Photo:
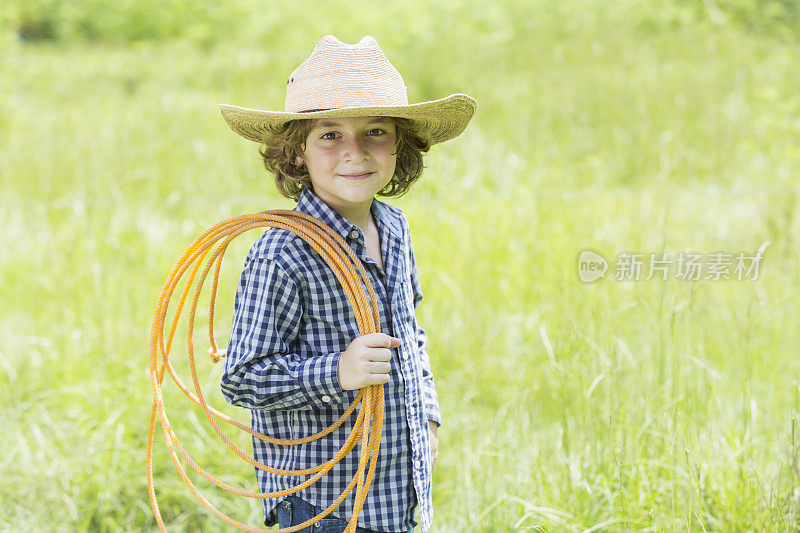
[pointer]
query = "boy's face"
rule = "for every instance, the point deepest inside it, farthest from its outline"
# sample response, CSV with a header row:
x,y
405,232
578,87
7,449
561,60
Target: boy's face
x,y
350,159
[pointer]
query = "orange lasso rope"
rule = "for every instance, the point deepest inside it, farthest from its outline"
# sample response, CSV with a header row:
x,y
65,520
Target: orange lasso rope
x,y
368,426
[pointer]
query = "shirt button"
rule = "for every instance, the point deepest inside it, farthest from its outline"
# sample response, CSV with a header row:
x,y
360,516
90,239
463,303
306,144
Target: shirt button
x,y
354,234
316,524
326,398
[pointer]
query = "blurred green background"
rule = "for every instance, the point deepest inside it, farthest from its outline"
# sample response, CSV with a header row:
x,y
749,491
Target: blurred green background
x,y
657,126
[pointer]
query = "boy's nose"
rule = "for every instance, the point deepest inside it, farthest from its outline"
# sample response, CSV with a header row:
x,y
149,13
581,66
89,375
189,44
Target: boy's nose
x,y
355,150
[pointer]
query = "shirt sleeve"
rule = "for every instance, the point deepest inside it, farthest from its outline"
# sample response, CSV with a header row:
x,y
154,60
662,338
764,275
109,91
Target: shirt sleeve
x,y
431,399
261,371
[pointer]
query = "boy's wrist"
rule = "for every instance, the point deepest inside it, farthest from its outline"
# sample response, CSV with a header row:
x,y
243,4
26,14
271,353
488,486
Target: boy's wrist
x,y
321,379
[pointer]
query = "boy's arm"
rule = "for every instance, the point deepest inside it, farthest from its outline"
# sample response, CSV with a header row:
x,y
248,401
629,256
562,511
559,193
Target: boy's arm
x,y
260,370
431,399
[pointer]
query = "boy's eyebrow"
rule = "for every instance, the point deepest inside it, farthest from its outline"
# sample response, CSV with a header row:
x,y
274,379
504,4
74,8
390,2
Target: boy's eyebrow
x,y
331,124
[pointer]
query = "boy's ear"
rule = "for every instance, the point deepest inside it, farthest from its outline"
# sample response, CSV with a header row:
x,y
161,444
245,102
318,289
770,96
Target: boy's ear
x,y
298,161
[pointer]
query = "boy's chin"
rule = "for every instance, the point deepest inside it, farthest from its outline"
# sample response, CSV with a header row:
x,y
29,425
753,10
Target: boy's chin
x,y
359,199
357,193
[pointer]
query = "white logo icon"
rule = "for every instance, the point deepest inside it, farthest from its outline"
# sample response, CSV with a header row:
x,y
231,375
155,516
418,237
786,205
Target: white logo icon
x,y
591,266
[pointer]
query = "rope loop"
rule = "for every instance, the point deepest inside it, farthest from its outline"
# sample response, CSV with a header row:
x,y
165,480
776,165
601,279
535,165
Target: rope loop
x,y
368,426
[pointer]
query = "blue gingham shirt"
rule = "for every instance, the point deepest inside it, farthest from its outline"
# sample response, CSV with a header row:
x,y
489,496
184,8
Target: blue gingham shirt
x,y
291,322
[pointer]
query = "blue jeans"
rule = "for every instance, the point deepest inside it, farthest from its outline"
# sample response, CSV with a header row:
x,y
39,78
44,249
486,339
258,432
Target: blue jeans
x,y
294,510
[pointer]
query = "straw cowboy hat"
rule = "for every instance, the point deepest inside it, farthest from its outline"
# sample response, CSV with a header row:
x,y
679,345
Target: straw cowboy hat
x,y
352,80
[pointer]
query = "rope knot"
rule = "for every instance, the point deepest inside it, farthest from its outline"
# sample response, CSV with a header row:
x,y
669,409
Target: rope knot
x,y
217,354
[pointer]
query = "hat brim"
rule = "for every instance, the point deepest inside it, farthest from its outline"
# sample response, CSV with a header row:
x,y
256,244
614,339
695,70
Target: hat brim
x,y
441,119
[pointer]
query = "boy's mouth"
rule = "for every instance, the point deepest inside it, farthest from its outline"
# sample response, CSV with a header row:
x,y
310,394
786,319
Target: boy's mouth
x,y
357,176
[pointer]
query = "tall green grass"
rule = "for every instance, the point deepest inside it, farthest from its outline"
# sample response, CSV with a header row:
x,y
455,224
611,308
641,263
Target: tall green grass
x,y
618,406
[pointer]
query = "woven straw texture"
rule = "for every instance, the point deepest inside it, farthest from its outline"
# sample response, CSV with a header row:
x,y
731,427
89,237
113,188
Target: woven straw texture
x,y
352,80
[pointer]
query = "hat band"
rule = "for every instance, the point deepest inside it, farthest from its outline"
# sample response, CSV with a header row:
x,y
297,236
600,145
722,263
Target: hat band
x,y
315,110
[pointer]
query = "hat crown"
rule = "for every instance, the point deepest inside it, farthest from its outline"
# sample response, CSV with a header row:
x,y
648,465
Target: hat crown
x,y
338,75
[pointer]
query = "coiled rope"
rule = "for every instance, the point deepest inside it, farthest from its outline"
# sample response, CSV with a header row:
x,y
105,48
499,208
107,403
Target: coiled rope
x,y
368,426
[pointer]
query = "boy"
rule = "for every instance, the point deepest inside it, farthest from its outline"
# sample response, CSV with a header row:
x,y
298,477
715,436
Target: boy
x,y
295,356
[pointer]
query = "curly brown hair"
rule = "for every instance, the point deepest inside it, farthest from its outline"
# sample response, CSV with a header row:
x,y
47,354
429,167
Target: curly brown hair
x,y
285,142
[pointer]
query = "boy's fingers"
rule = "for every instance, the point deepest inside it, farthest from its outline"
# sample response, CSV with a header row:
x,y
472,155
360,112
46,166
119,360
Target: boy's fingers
x,y
378,367
381,340
380,354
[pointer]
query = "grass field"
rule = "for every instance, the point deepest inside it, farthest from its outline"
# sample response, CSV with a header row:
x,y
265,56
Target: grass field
x,y
627,127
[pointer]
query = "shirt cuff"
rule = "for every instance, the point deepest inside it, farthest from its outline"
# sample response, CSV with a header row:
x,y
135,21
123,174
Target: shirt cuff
x,y
431,402
320,380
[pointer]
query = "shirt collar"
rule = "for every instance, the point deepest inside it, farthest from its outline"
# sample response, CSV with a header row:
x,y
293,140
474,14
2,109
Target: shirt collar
x,y
313,205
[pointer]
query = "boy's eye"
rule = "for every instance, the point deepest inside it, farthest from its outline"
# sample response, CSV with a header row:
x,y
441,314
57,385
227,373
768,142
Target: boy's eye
x,y
331,135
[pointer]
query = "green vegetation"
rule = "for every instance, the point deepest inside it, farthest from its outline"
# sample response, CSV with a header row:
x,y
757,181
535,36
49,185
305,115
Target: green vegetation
x,y
616,126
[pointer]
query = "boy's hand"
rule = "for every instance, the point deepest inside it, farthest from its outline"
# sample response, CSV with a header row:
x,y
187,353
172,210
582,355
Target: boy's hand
x,y
366,361
433,427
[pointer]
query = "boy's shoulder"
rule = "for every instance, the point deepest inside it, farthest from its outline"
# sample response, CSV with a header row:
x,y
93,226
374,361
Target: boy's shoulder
x,y
273,244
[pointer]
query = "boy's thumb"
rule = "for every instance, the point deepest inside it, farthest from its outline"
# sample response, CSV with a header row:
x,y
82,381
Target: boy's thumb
x,y
395,342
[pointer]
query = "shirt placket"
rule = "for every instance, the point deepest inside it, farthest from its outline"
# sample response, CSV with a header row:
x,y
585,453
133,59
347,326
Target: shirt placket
x,y
412,391
402,300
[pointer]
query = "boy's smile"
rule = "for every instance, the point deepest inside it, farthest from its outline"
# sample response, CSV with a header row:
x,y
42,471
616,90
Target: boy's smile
x,y
349,160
